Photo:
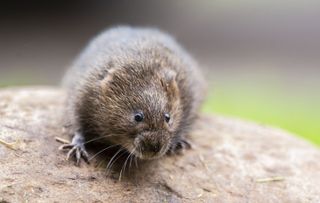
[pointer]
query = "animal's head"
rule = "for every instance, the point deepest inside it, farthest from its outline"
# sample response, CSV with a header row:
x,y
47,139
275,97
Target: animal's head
x,y
138,108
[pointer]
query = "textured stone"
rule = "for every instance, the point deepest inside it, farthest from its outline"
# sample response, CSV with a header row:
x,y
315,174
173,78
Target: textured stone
x,y
231,161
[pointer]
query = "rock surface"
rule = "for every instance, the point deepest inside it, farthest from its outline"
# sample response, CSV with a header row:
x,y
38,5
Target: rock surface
x,y
231,161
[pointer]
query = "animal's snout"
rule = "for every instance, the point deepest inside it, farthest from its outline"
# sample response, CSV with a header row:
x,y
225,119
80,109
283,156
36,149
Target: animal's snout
x,y
151,147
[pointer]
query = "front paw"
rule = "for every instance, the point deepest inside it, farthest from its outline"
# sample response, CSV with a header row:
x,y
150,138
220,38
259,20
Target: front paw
x,y
76,149
179,146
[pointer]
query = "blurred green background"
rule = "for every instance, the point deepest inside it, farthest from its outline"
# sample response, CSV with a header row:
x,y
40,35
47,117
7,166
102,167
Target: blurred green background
x,y
261,58
271,105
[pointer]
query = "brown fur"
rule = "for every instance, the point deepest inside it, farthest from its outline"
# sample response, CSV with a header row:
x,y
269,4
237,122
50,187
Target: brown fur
x,y
127,70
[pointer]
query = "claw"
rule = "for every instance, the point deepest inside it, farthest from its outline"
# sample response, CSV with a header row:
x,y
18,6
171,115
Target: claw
x,y
85,156
76,149
66,146
71,152
179,146
183,144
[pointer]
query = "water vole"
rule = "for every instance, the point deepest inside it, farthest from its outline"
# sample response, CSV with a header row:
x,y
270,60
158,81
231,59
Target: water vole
x,y
133,87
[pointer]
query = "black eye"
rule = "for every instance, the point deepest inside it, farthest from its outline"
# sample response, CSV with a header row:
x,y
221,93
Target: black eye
x,y
138,117
167,117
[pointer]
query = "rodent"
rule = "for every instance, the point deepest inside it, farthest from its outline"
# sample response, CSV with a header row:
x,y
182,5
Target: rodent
x,y
133,87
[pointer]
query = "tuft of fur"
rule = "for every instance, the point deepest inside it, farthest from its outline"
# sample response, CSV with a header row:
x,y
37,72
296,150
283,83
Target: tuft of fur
x,y
127,70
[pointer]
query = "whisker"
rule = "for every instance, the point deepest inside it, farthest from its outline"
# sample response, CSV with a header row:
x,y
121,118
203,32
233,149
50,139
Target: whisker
x,y
110,161
136,162
130,162
115,160
132,156
94,139
124,165
100,163
102,151
114,157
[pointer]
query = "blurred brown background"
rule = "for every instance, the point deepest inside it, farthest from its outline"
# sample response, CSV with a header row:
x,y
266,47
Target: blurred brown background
x,y
40,38
261,57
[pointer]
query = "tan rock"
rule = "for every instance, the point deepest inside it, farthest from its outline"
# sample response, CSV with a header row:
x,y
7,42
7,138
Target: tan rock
x,y
231,161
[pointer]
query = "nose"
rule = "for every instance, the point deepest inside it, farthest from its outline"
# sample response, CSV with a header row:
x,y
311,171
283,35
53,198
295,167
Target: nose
x,y
151,147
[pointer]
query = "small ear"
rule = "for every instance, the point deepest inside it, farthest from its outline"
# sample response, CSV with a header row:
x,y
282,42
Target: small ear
x,y
168,81
167,77
105,80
